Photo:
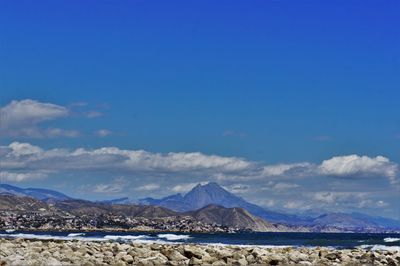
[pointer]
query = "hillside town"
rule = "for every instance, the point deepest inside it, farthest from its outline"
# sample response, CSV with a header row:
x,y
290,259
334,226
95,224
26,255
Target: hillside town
x,y
48,221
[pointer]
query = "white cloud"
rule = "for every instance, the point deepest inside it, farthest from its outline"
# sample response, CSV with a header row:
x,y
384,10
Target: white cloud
x,y
281,186
336,197
116,186
266,202
348,166
359,166
103,133
107,188
116,160
182,188
18,149
19,177
295,169
381,203
58,132
22,119
297,205
26,157
148,187
238,188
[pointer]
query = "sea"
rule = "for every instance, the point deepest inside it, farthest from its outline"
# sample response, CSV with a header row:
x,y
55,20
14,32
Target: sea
x,y
331,240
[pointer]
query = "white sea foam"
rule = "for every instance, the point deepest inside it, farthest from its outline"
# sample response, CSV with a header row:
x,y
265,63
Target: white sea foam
x,y
142,239
381,247
76,234
172,237
124,237
50,237
10,230
391,239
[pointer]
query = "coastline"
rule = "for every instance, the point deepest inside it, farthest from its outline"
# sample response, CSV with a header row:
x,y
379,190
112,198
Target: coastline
x,y
154,230
71,252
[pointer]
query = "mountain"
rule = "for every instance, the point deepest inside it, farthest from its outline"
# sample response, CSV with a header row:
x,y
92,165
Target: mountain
x,y
9,202
232,217
174,202
84,207
211,214
385,222
354,222
340,221
196,202
37,193
124,200
212,193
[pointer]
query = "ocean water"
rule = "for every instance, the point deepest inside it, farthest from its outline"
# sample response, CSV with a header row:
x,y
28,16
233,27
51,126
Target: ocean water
x,y
334,240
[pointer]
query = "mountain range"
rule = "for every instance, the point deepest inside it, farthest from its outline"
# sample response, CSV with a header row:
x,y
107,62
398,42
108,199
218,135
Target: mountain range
x,y
237,218
211,202
212,193
37,193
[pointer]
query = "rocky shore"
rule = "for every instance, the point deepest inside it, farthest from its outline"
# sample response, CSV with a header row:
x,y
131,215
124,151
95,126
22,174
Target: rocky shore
x,y
34,252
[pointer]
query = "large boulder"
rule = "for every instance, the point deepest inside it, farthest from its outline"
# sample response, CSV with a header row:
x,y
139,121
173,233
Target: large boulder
x,y
296,256
173,255
193,251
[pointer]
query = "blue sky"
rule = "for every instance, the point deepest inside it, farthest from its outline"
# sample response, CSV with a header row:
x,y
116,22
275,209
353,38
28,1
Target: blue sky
x,y
269,82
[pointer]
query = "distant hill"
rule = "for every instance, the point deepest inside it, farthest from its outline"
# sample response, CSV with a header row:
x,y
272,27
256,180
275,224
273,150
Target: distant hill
x,y
212,214
83,207
381,221
124,200
197,202
353,222
37,193
213,194
232,217
10,202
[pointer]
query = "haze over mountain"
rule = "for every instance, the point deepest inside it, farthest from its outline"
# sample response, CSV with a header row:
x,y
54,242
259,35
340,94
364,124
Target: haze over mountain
x,y
37,193
212,193
212,214
208,203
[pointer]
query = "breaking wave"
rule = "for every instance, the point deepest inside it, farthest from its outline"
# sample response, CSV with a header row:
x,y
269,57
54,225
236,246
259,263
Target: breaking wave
x,y
76,234
124,237
391,239
51,237
172,237
381,247
160,239
378,242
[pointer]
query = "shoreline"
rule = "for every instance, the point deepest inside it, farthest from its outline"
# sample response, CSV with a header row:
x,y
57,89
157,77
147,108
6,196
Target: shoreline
x,y
152,231
66,252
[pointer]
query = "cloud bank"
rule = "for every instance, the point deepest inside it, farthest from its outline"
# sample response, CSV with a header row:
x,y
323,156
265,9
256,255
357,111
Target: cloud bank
x,y
17,158
22,119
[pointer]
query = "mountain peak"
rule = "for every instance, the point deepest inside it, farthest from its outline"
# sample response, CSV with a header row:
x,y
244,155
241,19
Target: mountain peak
x,y
212,184
210,193
207,186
